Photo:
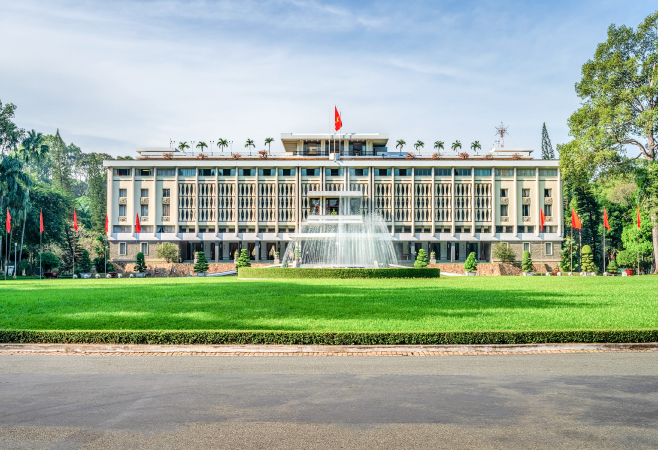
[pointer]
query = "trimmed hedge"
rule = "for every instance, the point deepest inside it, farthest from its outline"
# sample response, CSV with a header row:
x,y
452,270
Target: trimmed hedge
x,y
328,338
284,272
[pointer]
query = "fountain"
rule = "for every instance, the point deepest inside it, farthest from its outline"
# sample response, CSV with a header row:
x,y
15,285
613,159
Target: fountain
x,y
338,234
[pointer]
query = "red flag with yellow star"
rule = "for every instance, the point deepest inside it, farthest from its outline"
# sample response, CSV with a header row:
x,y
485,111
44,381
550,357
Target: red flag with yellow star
x,y
338,122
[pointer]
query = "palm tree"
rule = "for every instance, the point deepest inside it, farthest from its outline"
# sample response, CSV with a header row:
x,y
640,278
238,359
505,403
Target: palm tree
x,y
201,145
438,145
182,146
455,145
250,143
419,144
268,142
401,144
34,149
475,146
14,184
222,144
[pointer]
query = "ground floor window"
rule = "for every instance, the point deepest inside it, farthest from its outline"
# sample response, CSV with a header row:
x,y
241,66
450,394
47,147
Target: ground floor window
x,y
145,248
549,248
122,248
526,246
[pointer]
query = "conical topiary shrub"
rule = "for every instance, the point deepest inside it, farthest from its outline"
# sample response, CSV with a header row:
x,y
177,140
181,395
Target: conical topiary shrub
x,y
243,259
612,266
587,264
526,263
471,264
141,264
422,259
201,265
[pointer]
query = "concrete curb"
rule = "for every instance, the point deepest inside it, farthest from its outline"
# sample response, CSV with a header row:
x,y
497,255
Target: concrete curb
x,y
318,350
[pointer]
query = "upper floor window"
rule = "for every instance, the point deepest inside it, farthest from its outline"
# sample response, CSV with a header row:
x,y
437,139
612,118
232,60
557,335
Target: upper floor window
x,y
166,193
526,210
359,172
206,172
123,193
503,210
443,172
145,210
548,210
227,172
121,228
483,172
144,192
333,172
266,172
504,172
423,172
122,172
463,172
548,192
525,192
166,172
122,210
286,172
246,172
310,172
503,193
402,172
525,172
186,172
145,172
383,172
548,172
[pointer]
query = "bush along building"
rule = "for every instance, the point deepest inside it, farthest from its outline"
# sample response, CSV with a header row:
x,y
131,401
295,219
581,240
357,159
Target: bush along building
x,y
221,202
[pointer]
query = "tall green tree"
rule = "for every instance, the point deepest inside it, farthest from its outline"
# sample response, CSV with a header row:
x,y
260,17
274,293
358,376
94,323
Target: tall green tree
x,y
61,165
546,146
619,93
98,191
10,134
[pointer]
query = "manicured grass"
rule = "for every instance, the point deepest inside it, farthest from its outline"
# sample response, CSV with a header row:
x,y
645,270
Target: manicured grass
x,y
431,305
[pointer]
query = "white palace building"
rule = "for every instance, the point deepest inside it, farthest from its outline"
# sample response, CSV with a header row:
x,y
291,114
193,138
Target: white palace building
x,y
220,203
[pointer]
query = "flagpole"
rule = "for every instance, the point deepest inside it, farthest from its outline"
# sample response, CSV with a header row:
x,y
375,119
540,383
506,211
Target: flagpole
x,y
40,252
571,251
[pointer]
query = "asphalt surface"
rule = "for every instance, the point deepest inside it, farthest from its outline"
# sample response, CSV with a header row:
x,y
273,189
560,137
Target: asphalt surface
x,y
545,401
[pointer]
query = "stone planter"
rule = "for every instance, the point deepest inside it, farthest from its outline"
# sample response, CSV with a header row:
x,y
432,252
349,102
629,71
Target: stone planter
x,y
276,260
201,274
85,275
471,274
140,275
528,274
433,258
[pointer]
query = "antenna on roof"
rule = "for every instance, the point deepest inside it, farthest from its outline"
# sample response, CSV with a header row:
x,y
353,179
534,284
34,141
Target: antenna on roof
x,y
502,131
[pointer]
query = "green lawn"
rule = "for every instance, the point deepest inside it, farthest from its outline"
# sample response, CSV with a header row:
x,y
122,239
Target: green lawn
x,y
446,304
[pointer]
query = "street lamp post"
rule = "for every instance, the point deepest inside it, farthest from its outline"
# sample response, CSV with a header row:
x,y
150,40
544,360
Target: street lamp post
x,y
15,258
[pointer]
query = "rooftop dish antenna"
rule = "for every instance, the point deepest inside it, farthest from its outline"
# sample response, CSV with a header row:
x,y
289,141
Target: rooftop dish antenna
x,y
502,131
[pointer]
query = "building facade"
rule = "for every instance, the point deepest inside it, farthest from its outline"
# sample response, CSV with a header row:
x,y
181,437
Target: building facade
x,y
220,203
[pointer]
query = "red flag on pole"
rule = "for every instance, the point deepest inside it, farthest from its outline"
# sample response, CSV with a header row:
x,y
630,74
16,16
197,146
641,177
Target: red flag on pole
x,y
543,219
75,220
575,221
339,123
8,224
606,224
106,224
41,221
138,227
638,216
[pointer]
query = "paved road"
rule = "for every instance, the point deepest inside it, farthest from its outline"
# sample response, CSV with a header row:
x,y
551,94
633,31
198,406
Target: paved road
x,y
570,401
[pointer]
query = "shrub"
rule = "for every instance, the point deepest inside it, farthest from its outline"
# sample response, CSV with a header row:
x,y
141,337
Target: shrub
x,y
49,261
436,155
243,259
464,155
588,260
410,156
505,253
99,263
201,264
526,263
612,266
84,265
168,251
141,264
282,272
25,266
471,264
422,260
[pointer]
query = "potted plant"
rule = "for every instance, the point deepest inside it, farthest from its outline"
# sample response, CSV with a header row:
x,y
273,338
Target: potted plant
x,y
201,156
516,156
612,268
471,265
432,258
436,155
168,156
140,266
421,259
262,154
236,156
201,265
464,155
630,272
587,266
410,156
526,265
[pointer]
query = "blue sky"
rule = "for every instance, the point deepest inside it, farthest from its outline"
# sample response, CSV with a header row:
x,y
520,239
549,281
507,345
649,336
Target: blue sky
x,y
115,75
